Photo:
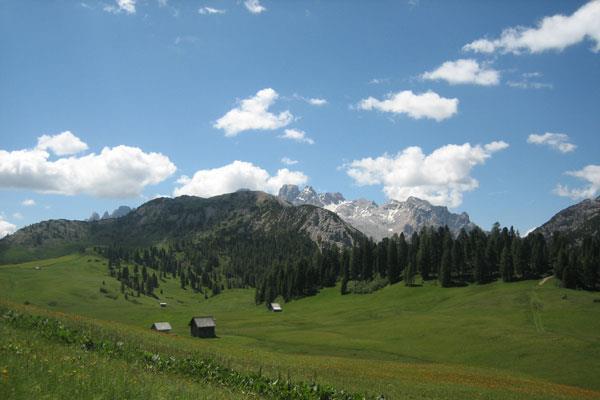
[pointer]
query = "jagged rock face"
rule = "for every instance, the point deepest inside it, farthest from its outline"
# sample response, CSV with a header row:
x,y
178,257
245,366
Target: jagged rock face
x,y
575,221
292,194
118,213
376,221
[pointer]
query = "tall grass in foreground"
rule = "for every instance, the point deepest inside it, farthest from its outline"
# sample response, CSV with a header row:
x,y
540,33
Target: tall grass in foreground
x,y
98,346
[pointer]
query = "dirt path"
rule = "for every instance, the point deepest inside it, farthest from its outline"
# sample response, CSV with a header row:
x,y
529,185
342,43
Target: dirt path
x,y
545,279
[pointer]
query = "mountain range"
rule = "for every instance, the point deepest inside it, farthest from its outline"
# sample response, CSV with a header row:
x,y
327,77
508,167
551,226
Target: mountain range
x,y
379,221
234,218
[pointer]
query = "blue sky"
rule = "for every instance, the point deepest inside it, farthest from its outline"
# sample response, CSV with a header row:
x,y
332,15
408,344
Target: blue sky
x,y
486,107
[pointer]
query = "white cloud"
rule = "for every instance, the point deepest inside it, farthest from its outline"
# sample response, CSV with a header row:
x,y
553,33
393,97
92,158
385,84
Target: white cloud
x,y
6,228
17,215
552,33
313,101
254,6
116,172
417,106
126,6
440,177
297,135
317,102
464,71
529,85
28,203
163,3
557,141
235,176
63,144
591,174
253,113
211,11
289,161
378,81
526,82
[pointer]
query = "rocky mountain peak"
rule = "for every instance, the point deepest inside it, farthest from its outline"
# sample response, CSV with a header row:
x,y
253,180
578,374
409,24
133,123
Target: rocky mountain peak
x,y
577,220
289,192
393,217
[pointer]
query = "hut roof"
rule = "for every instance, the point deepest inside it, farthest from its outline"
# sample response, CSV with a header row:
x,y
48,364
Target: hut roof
x,y
276,307
203,322
161,326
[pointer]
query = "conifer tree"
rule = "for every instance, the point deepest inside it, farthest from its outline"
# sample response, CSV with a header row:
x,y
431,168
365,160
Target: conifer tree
x,y
445,275
409,274
506,263
392,261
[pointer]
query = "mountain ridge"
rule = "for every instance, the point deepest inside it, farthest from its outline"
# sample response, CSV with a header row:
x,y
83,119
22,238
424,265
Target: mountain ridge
x,y
574,221
227,217
379,221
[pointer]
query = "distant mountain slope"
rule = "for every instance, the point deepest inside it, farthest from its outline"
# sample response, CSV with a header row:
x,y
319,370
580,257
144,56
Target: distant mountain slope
x,y
229,217
380,221
575,221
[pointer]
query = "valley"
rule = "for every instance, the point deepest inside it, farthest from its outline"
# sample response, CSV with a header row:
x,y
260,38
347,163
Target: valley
x,y
498,341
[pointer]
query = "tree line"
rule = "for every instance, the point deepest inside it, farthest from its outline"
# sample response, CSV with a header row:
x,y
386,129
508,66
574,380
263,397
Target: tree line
x,y
292,266
435,254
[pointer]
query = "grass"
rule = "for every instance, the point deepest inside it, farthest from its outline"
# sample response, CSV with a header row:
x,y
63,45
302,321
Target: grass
x,y
33,367
497,341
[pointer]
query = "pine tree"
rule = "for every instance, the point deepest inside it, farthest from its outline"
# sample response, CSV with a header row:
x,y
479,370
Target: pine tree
x,y
409,274
517,257
392,261
445,275
424,255
506,264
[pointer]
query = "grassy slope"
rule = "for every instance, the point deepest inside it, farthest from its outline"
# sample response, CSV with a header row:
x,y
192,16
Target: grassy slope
x,y
32,367
500,341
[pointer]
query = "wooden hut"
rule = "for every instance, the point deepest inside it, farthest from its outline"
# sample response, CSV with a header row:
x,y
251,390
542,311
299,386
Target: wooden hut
x,y
162,304
275,307
203,327
161,327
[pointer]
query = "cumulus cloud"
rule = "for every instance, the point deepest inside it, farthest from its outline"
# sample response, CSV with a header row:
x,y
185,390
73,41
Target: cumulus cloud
x,y
235,176
296,135
556,141
126,6
464,71
254,6
63,144
317,102
417,106
116,172
289,161
28,202
6,228
591,174
440,177
17,215
211,11
551,33
253,114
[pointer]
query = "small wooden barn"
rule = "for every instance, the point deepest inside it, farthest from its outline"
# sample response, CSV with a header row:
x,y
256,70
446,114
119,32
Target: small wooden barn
x,y
161,327
162,304
203,327
275,307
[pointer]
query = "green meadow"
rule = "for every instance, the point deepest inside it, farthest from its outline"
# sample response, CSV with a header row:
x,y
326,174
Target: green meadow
x,y
498,341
